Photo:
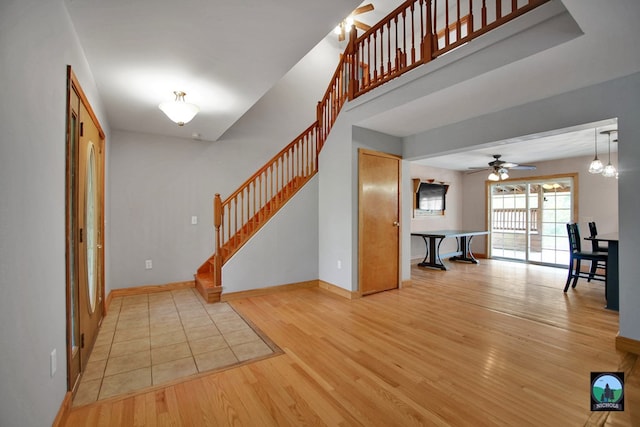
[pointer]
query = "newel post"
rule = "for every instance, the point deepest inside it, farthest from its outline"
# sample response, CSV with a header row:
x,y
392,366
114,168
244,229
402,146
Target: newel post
x,y
217,222
429,38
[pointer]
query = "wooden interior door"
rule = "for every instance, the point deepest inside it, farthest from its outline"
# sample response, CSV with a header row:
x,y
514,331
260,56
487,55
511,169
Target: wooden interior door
x,y
379,221
85,230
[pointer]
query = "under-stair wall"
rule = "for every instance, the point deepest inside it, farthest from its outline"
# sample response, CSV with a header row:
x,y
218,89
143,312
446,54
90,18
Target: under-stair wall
x,y
285,251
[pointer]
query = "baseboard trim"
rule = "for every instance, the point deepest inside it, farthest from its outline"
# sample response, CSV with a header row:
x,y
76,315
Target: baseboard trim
x,y
627,344
268,290
65,407
344,293
406,284
149,289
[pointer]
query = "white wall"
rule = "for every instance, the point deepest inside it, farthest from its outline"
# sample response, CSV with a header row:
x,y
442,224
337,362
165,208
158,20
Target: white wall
x,y
284,251
37,42
159,183
335,200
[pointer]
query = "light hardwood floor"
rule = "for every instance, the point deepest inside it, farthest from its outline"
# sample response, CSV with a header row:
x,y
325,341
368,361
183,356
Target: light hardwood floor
x,y
496,344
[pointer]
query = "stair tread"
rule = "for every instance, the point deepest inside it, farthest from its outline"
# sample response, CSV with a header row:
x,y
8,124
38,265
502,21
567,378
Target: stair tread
x,y
205,279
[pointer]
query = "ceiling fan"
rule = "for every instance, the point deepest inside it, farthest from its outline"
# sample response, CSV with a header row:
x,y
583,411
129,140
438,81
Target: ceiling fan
x,y
499,168
345,26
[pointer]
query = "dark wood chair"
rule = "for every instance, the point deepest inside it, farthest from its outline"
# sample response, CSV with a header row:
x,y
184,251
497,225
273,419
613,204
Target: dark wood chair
x,y
576,255
596,247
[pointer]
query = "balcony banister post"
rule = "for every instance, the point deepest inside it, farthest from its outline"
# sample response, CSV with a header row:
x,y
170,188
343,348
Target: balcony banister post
x,y
351,58
319,114
429,38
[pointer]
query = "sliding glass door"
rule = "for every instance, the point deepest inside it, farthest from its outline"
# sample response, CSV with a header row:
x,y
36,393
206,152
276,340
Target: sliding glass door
x,y
528,219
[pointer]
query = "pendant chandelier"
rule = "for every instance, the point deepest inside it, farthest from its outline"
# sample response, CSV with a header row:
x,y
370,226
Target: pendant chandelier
x,y
609,171
596,165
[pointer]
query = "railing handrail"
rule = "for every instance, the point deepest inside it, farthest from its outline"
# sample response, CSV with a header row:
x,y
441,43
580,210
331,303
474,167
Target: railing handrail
x,y
266,166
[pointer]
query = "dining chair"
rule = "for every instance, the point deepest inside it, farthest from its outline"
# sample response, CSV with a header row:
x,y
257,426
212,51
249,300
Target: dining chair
x,y
576,255
596,247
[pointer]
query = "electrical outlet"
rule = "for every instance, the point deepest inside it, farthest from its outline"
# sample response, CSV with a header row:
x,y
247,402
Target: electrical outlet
x,y
148,264
339,264
53,360
194,220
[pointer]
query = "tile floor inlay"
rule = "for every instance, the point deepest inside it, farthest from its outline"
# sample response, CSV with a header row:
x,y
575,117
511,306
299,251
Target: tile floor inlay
x,y
151,339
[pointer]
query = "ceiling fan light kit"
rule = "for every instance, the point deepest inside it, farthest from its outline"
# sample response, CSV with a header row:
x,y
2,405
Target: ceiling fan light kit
x,y
178,110
344,27
499,169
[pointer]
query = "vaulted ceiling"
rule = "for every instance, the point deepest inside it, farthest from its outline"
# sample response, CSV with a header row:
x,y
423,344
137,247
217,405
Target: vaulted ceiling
x,y
224,54
227,54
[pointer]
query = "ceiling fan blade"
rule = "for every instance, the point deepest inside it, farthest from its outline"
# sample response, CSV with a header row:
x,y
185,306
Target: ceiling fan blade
x,y
508,165
523,167
361,25
362,9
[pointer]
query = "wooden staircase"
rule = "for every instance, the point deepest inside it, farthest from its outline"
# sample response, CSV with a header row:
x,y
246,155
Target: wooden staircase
x,y
249,208
205,277
411,35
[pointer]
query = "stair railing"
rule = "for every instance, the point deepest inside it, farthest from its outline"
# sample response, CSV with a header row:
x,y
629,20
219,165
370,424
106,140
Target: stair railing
x,y
238,217
413,34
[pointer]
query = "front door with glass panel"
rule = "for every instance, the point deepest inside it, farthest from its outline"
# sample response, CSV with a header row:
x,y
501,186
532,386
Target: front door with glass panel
x,y
89,246
85,219
528,219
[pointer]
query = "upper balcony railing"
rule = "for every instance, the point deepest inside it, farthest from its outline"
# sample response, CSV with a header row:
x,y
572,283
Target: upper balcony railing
x,y
413,34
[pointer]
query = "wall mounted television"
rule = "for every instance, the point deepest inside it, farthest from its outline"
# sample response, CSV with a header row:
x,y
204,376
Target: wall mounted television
x,y
431,197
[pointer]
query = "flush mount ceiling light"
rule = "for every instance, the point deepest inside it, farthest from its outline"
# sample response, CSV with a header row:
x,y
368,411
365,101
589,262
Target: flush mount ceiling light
x,y
596,165
178,110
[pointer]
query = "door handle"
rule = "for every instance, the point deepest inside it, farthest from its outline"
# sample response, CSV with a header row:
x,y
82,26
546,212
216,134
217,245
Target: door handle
x,y
396,224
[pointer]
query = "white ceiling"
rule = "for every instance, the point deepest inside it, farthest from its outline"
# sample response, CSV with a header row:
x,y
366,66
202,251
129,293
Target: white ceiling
x,y
560,144
227,54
